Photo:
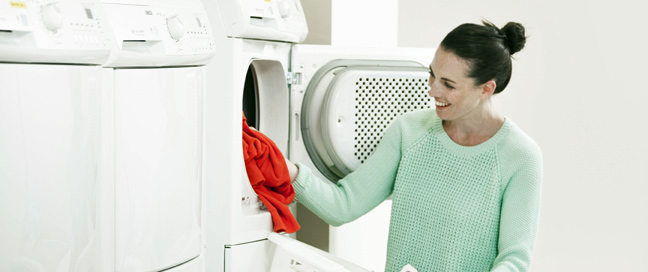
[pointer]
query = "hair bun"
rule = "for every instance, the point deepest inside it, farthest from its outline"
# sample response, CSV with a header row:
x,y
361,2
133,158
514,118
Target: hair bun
x,y
514,33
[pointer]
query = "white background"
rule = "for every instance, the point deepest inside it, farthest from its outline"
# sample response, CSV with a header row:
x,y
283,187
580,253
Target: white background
x,y
579,88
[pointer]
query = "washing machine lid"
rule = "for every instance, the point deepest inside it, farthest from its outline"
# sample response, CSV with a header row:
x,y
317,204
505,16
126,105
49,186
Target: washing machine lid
x,y
73,32
154,33
274,20
349,104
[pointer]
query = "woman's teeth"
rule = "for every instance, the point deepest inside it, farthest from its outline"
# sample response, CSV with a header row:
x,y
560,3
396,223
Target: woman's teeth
x,y
441,104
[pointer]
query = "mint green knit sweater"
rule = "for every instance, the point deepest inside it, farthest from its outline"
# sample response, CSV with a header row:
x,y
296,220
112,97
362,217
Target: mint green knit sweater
x,y
455,208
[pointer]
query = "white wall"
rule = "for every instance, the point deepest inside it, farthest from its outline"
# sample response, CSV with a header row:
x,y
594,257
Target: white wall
x,y
580,89
370,23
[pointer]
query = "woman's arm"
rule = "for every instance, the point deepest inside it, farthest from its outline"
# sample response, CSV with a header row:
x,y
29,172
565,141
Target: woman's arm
x,y
357,193
519,216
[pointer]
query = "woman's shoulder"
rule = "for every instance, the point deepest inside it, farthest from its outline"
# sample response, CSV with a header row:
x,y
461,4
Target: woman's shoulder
x,y
419,119
520,159
414,125
519,146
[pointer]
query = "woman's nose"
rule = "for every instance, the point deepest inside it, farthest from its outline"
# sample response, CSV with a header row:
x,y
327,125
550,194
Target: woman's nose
x,y
432,89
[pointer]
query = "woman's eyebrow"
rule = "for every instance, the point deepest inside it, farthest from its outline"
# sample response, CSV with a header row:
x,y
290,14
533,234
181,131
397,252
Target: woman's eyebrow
x,y
449,80
443,78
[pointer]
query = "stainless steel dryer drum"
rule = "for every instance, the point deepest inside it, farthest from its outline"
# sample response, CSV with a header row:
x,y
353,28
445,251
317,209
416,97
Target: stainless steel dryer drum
x,y
350,103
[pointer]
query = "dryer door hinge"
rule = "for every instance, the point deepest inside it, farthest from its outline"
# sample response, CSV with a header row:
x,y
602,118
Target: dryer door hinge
x,y
293,78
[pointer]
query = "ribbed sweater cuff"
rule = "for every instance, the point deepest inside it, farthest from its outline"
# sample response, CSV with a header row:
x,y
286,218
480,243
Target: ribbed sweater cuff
x,y
300,184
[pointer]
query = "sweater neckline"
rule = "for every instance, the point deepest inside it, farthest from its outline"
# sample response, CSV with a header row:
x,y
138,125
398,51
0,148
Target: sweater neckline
x,y
462,150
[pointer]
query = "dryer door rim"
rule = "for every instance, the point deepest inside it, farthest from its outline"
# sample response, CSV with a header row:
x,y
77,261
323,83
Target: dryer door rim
x,y
332,91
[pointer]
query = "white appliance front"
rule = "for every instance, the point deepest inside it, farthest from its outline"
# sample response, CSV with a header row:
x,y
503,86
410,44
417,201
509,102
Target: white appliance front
x,y
245,71
254,75
158,151
157,83
49,139
48,167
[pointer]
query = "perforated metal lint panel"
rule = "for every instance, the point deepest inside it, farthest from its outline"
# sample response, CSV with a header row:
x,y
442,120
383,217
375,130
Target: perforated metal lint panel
x,y
352,108
378,101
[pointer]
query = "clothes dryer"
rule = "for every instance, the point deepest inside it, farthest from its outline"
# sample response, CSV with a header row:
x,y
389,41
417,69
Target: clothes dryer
x,y
262,71
248,74
50,78
152,198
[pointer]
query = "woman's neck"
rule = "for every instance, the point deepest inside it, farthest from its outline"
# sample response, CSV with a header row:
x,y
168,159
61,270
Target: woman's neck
x,y
474,129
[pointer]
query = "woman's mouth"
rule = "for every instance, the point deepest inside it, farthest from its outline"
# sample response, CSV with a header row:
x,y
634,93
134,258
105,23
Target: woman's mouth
x,y
441,105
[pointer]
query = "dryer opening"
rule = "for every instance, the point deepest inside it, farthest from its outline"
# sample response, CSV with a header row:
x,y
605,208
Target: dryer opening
x,y
265,105
251,99
265,100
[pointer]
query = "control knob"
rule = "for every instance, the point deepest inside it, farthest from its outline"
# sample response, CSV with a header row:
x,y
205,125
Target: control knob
x,y
284,8
176,28
52,16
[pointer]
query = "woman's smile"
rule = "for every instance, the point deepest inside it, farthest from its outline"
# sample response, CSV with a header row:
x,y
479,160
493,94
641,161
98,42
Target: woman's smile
x,y
441,105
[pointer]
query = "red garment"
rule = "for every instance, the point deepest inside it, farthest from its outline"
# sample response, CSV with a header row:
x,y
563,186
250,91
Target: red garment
x,y
269,177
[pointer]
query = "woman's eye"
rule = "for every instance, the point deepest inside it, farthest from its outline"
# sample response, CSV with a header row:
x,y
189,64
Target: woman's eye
x,y
449,86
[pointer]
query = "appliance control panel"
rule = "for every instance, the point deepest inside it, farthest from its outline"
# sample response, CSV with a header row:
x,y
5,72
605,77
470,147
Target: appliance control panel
x,y
277,20
154,33
61,31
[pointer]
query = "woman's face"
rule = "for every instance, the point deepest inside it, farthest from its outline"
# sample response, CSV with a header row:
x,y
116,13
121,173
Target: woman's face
x,y
455,94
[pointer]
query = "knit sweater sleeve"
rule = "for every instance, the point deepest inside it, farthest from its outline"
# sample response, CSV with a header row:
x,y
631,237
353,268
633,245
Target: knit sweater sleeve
x,y
357,193
520,208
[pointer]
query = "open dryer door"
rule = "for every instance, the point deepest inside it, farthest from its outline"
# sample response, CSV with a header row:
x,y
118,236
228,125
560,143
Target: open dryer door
x,y
347,105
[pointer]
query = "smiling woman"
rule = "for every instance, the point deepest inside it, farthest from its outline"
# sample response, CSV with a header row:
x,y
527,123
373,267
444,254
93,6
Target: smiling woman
x,y
473,63
465,180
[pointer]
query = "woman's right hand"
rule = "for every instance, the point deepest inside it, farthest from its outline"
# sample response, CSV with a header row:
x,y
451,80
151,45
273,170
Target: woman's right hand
x,y
293,170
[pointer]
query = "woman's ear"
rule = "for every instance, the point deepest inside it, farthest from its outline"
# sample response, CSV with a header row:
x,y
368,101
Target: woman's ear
x,y
488,89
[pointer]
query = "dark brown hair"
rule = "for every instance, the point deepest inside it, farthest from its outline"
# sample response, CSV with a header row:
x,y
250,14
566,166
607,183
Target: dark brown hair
x,y
487,49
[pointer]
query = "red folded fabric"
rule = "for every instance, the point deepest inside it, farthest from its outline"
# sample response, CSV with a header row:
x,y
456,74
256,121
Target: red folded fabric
x,y
269,177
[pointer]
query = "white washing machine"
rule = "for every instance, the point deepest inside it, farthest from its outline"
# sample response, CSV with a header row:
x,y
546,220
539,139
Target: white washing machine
x,y
261,71
152,195
50,78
